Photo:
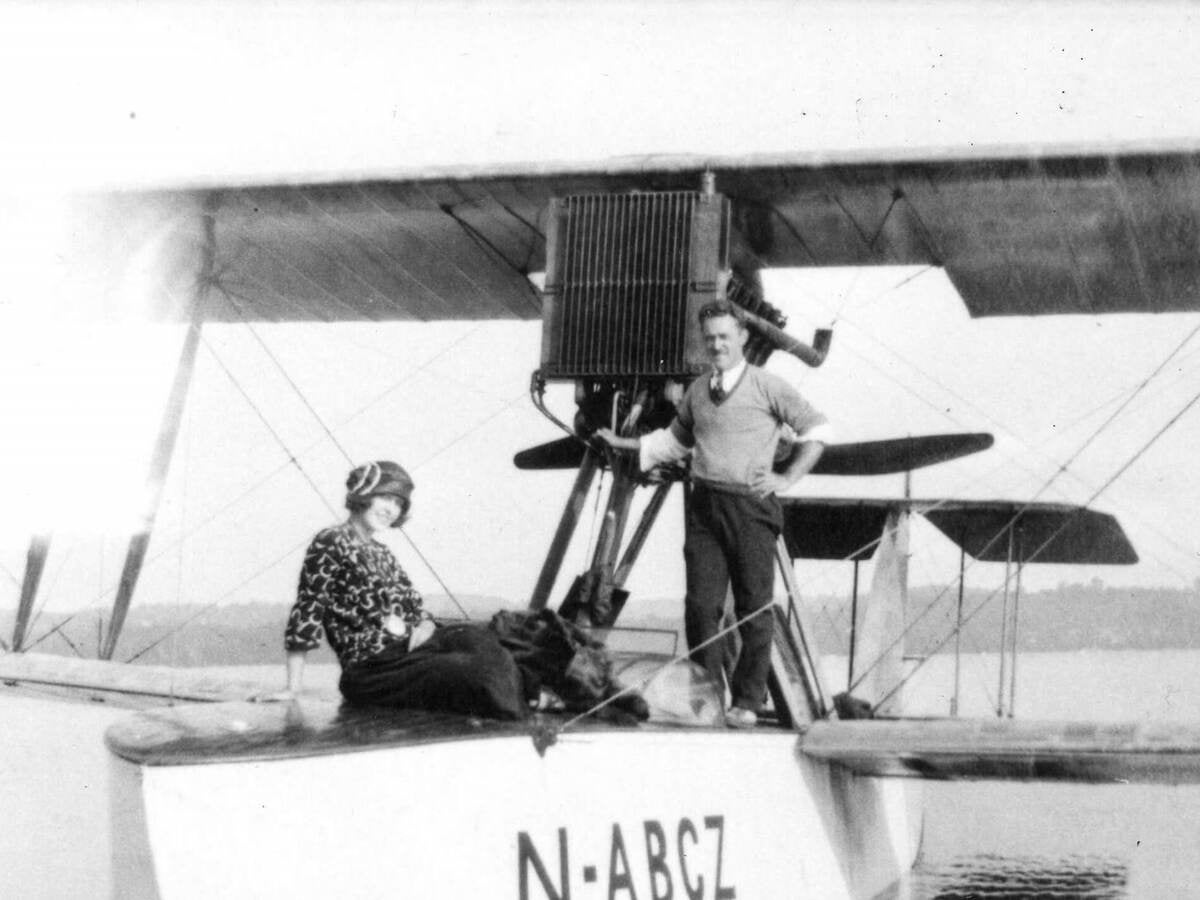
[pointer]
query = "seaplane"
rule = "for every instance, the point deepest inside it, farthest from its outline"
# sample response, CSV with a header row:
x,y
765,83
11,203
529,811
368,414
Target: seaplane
x,y
214,793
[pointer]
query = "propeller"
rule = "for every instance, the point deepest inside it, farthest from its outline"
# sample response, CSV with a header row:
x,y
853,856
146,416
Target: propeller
x,y
862,458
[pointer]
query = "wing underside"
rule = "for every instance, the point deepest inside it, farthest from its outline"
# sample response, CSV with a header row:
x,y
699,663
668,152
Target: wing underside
x,y
1026,235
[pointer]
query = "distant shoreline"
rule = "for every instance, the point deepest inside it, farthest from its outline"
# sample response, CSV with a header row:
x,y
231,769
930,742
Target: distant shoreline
x,y
1071,617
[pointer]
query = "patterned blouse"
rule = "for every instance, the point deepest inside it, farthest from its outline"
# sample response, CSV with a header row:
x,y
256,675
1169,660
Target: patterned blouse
x,y
349,586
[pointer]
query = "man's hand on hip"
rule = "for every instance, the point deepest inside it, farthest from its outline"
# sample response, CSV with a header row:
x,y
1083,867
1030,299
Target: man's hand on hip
x,y
764,484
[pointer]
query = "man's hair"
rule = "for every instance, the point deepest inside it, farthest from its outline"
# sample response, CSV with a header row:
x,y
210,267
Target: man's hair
x,y
714,309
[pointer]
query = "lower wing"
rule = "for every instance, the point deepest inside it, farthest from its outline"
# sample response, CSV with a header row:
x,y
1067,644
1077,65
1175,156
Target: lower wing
x,y
1006,749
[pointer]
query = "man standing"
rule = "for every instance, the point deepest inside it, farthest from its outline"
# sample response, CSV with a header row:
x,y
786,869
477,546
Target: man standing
x,y
731,421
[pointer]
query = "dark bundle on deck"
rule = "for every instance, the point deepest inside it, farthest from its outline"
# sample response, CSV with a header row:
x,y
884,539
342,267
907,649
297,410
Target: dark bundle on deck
x,y
560,656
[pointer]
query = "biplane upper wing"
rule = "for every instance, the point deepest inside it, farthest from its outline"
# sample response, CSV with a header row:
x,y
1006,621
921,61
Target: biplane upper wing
x,y
1037,233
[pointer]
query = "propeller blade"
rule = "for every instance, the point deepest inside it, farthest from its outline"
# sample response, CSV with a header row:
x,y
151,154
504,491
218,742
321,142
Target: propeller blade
x,y
897,454
863,458
564,453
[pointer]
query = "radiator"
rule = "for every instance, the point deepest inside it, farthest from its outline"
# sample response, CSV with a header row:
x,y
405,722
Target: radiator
x,y
625,276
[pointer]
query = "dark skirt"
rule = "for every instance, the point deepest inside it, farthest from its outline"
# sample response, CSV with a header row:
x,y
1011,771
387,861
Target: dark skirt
x,y
461,668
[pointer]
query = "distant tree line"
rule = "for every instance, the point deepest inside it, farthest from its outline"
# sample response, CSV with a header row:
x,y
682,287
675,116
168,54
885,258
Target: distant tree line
x,y
1069,617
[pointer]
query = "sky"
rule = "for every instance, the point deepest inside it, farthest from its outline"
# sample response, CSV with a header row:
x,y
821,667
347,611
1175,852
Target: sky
x,y
450,402
256,92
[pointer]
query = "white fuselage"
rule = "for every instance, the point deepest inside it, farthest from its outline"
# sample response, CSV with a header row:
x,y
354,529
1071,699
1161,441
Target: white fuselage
x,y
647,813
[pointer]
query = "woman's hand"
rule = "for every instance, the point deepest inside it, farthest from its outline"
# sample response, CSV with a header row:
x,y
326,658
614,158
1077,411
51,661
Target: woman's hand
x,y
421,632
284,696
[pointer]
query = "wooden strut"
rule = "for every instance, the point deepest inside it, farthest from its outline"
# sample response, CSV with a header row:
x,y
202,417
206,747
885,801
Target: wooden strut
x,y
566,529
797,642
159,465
649,517
1004,626
35,564
599,590
1012,672
164,447
853,628
962,571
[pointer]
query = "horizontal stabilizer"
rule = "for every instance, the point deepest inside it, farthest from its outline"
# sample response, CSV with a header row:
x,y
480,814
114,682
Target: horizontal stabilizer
x,y
1006,749
833,528
1042,532
848,528
862,458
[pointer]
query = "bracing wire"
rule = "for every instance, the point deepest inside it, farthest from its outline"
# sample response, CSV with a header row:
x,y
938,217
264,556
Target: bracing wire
x,y
263,418
212,605
1107,484
721,634
724,632
1064,467
300,395
333,439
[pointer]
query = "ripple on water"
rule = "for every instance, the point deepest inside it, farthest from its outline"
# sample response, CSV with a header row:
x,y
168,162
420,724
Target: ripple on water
x,y
992,875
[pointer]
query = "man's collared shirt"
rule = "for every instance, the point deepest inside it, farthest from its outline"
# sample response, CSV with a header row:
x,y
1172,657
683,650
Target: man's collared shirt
x,y
727,379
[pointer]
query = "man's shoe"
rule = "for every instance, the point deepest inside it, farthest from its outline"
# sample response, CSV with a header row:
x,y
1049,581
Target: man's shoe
x,y
741,718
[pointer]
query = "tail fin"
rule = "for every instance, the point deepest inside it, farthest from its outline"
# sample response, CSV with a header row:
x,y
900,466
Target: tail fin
x,y
879,657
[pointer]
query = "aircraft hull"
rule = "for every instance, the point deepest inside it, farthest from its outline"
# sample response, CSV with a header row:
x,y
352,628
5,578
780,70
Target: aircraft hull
x,y
456,809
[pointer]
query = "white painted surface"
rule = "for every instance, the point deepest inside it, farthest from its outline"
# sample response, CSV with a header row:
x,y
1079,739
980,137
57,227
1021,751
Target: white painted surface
x,y
445,820
55,830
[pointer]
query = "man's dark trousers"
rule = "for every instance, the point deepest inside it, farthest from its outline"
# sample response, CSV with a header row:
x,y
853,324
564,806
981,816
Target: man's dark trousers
x,y
732,537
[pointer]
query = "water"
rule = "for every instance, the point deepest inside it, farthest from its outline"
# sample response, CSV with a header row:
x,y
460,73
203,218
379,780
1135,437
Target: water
x,y
1040,840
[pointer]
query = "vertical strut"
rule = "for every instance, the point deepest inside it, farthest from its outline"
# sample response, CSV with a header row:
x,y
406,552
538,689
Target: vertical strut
x,y
796,642
159,465
168,431
649,516
1004,624
1012,675
853,626
35,563
962,571
566,529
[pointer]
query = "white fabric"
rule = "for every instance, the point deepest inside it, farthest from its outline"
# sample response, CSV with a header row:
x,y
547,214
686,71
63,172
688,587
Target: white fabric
x,y
728,378
823,433
659,447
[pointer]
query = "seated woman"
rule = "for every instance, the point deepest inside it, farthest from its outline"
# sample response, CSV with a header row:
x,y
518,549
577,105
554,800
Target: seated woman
x,y
354,592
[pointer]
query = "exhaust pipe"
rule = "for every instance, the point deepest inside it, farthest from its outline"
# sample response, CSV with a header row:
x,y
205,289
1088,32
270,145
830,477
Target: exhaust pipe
x,y
812,355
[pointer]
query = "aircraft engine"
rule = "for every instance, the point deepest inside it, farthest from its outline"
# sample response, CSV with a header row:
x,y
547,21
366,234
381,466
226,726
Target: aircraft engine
x,y
626,275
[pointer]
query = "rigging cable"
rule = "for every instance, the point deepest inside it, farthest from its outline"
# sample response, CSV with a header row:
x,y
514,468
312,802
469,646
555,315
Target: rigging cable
x,y
1062,467
345,455
262,418
1108,483
300,546
1045,486
209,607
721,633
